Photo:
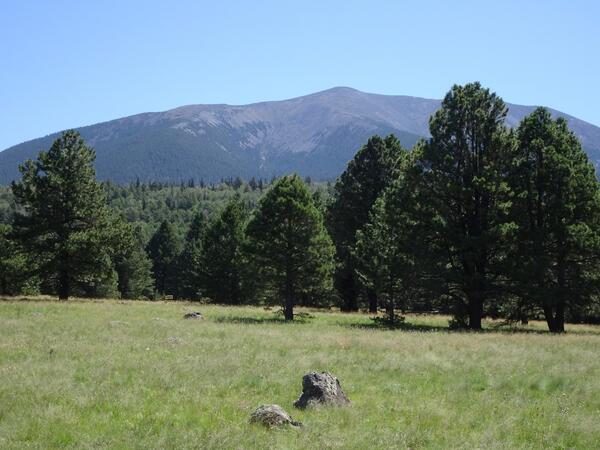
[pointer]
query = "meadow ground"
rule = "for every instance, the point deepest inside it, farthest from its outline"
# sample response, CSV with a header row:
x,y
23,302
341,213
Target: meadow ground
x,y
110,374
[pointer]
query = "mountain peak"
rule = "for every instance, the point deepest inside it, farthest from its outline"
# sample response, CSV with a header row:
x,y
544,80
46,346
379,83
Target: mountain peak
x,y
314,135
339,90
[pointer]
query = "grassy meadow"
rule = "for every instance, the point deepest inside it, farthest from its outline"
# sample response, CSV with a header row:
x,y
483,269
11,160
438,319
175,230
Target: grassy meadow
x,y
112,374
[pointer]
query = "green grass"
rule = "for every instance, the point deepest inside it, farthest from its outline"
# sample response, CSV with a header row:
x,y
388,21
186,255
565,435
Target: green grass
x,y
109,374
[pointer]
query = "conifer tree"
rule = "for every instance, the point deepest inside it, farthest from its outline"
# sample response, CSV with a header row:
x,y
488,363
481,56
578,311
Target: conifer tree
x,y
378,260
463,166
557,209
64,221
163,250
291,250
190,261
133,267
388,251
222,263
14,265
367,175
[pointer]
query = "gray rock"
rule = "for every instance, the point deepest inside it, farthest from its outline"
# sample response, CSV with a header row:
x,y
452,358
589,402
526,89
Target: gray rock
x,y
272,416
193,315
321,389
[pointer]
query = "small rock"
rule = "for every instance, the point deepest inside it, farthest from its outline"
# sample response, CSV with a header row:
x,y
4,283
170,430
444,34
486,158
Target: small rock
x,y
321,389
193,315
272,416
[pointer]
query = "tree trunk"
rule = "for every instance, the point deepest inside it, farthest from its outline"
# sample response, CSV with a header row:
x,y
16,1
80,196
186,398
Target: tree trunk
x,y
372,295
3,286
559,318
64,286
347,288
475,310
555,314
523,316
391,309
549,317
555,317
288,308
391,316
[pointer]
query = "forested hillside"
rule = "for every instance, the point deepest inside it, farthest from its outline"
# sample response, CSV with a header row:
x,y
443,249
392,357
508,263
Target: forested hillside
x,y
313,135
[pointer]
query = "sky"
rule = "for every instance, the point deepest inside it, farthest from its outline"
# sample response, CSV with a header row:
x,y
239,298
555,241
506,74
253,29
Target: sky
x,y
65,64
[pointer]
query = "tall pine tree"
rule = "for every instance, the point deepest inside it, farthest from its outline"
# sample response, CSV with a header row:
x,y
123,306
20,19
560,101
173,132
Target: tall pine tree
x,y
15,268
64,220
133,266
292,252
222,263
367,175
190,261
557,208
463,166
163,250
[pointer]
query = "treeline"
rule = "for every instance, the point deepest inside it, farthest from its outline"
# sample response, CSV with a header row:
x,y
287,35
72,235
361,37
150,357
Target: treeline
x,y
147,205
477,221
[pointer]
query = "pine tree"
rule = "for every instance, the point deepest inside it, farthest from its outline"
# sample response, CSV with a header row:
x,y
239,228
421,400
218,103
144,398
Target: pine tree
x,y
462,172
163,250
290,247
388,250
190,262
14,266
378,260
223,263
365,178
557,208
64,222
133,267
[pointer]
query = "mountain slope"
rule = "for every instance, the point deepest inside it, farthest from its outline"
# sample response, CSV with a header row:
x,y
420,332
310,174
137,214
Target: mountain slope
x,y
313,135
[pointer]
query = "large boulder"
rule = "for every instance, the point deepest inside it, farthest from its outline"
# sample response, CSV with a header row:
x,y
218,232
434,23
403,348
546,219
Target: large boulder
x,y
272,416
321,389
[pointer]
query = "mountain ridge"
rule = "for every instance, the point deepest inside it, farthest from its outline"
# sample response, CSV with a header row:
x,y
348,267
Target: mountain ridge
x,y
314,135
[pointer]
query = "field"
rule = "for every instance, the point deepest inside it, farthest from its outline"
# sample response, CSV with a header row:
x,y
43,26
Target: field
x,y
110,374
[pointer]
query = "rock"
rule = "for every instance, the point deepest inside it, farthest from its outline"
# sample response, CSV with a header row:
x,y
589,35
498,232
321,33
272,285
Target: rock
x,y
321,389
272,416
193,315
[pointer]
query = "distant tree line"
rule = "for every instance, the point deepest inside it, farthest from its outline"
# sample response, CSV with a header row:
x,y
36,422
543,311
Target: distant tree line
x,y
478,220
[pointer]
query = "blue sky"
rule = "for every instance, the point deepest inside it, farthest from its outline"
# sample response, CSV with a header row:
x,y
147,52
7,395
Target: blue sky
x,y
71,63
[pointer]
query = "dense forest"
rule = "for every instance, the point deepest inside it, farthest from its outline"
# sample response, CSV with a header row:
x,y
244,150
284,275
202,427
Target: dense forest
x,y
477,221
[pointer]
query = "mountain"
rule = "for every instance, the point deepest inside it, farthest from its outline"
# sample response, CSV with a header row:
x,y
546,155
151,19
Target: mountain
x,y
313,135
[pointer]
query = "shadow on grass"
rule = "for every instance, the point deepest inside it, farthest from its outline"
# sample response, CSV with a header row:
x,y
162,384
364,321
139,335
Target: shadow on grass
x,y
494,328
508,329
248,320
402,326
276,319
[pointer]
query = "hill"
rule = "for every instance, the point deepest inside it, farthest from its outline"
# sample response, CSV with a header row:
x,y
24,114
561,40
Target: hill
x,y
313,135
